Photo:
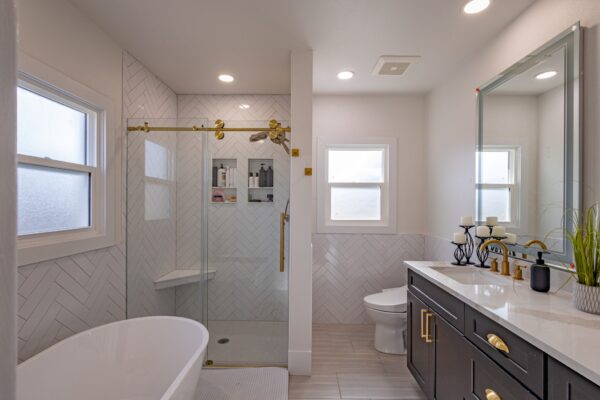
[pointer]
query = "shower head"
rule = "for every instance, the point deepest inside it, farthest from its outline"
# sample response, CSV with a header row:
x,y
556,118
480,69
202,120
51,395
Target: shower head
x,y
277,135
256,137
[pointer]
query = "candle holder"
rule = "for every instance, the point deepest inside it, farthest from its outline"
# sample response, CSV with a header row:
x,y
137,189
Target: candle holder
x,y
459,253
470,245
482,256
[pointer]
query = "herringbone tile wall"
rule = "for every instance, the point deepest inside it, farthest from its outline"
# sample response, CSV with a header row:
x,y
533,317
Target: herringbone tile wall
x,y
243,238
151,240
347,267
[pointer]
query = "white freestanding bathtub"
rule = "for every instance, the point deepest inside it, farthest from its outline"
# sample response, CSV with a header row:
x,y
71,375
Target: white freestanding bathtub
x,y
157,358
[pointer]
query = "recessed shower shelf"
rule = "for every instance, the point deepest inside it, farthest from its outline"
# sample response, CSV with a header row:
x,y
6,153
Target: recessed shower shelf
x,y
181,277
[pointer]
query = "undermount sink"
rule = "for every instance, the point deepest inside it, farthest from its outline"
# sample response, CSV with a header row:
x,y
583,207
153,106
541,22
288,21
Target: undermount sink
x,y
473,276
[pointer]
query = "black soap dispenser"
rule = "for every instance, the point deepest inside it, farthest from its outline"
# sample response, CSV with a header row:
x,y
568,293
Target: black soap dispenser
x,y
540,275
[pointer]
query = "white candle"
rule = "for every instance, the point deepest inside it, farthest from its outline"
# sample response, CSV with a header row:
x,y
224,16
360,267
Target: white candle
x,y
491,221
499,231
511,238
460,238
483,231
466,221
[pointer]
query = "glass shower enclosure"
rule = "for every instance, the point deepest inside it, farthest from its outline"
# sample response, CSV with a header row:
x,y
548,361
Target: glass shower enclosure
x,y
207,235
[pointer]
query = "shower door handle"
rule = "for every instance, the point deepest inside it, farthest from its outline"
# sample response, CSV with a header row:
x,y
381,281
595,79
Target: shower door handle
x,y
282,219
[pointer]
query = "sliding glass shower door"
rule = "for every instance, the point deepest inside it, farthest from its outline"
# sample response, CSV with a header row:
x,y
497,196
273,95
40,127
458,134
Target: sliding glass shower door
x,y
248,181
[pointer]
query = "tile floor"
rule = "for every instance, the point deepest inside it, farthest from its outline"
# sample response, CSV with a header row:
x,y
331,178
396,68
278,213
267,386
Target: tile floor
x,y
347,366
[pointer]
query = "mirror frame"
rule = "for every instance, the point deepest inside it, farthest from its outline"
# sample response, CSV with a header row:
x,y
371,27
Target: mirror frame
x,y
571,41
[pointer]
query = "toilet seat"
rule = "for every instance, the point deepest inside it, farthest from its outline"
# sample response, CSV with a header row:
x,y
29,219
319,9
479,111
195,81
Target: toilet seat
x,y
391,300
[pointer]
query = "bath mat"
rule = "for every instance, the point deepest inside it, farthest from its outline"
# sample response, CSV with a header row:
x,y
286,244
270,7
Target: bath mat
x,y
243,384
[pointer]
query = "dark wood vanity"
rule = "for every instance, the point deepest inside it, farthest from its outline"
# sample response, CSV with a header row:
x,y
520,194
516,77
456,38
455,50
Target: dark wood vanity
x,y
455,352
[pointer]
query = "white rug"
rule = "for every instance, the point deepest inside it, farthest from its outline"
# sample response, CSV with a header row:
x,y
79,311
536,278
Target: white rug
x,y
243,384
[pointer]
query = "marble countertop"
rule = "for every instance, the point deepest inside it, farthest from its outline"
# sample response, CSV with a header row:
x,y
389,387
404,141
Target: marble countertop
x,y
548,321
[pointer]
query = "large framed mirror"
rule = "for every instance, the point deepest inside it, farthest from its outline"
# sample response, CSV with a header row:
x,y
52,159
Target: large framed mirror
x,y
529,155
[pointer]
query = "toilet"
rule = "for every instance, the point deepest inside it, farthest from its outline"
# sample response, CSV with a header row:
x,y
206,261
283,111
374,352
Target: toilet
x,y
388,310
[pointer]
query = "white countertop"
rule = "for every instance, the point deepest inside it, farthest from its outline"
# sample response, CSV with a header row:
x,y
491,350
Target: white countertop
x,y
548,321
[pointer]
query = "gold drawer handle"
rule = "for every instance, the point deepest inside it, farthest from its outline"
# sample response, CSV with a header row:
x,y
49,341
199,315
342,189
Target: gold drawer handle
x,y
491,395
423,334
427,333
498,343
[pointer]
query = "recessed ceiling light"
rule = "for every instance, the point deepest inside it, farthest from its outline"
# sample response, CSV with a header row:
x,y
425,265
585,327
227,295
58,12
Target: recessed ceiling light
x,y
345,75
226,78
244,106
546,75
476,6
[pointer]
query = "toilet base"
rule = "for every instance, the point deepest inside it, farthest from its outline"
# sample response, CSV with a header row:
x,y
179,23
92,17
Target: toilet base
x,y
390,331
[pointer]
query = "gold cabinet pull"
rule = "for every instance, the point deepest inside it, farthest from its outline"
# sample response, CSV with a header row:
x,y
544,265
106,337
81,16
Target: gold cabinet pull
x,y
423,334
427,326
498,343
491,395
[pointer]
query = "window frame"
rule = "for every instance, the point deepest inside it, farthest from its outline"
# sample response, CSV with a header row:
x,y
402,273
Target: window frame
x,y
514,169
387,223
102,232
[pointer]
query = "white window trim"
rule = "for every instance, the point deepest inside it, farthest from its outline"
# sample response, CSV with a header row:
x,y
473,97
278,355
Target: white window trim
x,y
387,224
514,186
105,210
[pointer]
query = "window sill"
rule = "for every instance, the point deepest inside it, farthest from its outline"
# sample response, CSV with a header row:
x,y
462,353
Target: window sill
x,y
36,249
354,229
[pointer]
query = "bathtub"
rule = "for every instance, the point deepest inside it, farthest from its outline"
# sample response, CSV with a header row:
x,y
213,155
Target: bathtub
x,y
141,358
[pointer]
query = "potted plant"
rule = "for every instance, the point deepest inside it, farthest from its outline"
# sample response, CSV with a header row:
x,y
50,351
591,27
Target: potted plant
x,y
585,241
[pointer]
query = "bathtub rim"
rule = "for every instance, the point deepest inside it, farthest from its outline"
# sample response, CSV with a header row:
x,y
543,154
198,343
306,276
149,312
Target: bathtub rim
x,y
182,372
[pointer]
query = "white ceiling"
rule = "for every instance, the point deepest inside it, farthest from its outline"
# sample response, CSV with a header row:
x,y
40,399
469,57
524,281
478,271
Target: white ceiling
x,y
187,43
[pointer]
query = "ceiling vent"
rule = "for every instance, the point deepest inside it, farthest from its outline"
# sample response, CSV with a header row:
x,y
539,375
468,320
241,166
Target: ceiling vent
x,y
393,65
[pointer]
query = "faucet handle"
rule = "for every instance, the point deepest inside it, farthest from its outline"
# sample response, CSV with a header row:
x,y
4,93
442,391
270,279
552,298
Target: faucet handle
x,y
519,272
494,266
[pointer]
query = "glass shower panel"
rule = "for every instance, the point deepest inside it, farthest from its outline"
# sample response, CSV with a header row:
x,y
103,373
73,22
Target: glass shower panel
x,y
247,284
165,266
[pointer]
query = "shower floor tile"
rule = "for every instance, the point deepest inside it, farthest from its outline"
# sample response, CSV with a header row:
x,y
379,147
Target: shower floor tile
x,y
249,342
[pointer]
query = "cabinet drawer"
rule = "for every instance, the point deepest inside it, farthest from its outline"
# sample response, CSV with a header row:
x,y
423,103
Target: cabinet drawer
x,y
486,379
519,358
444,304
566,384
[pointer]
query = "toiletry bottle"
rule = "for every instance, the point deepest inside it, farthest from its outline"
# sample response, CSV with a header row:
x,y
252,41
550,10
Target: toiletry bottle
x,y
270,177
250,180
221,177
227,176
215,174
256,180
262,176
540,275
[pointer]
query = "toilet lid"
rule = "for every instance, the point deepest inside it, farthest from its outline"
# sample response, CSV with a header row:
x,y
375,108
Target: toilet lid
x,y
393,300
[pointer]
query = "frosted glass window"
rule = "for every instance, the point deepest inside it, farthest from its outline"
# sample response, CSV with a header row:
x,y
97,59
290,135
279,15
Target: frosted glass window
x,y
156,160
51,199
494,167
356,203
157,201
48,129
496,201
356,166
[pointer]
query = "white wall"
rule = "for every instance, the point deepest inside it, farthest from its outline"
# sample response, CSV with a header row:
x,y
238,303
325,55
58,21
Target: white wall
x,y
60,297
452,107
8,284
347,267
400,116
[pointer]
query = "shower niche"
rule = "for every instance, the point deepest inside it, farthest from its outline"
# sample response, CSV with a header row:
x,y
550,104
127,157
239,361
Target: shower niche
x,y
224,181
261,176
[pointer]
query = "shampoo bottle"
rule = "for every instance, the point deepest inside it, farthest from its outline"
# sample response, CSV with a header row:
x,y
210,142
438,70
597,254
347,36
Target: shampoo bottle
x,y
270,177
262,176
540,275
221,176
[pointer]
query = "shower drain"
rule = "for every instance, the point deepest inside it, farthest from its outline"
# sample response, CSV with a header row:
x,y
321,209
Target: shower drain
x,y
223,340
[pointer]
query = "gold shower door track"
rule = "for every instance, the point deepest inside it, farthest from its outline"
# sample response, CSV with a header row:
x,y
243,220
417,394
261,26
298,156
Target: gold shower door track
x,y
147,128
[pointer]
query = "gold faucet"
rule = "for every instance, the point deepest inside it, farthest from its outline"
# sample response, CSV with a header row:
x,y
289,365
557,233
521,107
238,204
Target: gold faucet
x,y
505,270
532,242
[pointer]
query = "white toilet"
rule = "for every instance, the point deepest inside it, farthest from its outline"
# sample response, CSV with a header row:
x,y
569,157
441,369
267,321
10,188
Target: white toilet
x,y
388,310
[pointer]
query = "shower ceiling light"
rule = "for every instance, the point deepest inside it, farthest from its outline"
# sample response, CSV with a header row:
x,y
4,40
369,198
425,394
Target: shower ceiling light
x,y
345,75
226,78
476,6
546,75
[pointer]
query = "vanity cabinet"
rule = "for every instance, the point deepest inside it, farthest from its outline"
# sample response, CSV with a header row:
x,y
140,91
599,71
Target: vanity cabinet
x,y
454,352
566,384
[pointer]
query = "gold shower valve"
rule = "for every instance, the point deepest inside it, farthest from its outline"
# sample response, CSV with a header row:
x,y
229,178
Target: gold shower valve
x,y
308,171
295,152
